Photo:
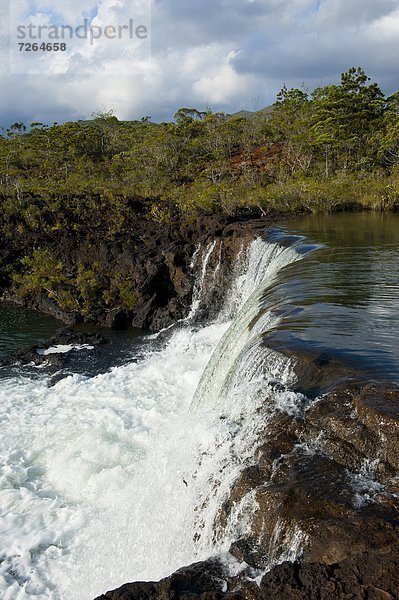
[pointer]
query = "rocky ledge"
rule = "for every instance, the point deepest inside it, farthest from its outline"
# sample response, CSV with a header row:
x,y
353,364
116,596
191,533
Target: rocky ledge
x,y
56,351
371,575
156,260
326,484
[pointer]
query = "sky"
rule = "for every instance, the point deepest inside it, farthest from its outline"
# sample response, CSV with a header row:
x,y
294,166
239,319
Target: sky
x,y
227,55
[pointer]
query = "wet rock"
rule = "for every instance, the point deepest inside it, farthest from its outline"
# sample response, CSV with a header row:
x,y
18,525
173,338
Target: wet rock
x,y
373,574
325,481
378,410
202,580
165,278
356,425
118,318
45,305
316,372
369,575
69,336
48,307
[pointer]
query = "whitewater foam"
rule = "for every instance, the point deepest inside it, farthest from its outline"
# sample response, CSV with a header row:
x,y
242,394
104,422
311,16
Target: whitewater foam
x,y
113,478
62,349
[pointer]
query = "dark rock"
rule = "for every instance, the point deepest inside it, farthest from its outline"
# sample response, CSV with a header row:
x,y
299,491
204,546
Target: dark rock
x,y
142,314
118,318
358,423
305,479
48,307
165,281
70,337
373,574
45,305
156,260
202,580
368,575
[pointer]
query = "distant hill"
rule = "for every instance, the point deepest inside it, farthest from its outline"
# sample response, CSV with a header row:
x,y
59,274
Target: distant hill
x,y
247,114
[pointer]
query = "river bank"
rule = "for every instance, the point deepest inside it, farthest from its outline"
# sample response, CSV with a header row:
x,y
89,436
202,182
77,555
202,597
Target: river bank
x,y
145,279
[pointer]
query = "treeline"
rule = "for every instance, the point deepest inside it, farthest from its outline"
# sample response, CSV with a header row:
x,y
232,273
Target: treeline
x,y
332,149
337,146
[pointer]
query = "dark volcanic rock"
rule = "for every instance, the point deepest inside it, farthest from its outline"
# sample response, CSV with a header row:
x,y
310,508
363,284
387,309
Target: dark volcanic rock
x,y
368,575
48,307
373,574
202,580
118,318
326,480
66,337
69,336
328,477
357,423
45,305
165,278
156,260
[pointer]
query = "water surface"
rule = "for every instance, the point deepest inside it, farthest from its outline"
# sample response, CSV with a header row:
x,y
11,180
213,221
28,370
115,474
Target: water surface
x,y
20,327
343,299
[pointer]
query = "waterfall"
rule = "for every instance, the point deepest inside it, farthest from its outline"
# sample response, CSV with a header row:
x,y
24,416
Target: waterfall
x,y
264,261
126,472
237,395
199,283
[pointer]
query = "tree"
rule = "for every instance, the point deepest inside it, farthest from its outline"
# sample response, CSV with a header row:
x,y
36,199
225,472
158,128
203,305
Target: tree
x,y
387,137
346,116
289,125
184,116
16,130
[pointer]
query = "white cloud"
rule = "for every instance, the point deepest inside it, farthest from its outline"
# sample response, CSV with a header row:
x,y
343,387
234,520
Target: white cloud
x,y
386,28
222,83
218,52
355,13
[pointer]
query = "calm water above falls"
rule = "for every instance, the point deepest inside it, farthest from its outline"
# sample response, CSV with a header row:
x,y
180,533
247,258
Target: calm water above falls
x,y
343,299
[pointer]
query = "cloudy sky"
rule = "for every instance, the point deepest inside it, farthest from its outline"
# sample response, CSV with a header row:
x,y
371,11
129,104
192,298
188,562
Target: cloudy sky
x,y
225,54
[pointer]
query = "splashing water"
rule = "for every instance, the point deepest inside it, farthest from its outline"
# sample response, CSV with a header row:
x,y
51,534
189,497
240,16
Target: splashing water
x,y
199,284
114,478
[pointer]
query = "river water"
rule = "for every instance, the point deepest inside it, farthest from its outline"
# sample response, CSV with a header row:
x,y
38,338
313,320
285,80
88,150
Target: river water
x,y
21,327
115,477
344,299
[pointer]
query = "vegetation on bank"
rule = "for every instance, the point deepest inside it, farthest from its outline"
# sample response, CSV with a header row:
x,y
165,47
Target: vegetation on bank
x,y
332,149
308,152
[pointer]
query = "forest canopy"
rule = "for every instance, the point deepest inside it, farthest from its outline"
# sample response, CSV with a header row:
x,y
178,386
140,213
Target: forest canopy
x,y
325,150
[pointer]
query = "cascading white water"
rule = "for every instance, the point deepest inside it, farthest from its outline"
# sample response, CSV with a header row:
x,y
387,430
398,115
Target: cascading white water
x,y
199,284
112,479
264,262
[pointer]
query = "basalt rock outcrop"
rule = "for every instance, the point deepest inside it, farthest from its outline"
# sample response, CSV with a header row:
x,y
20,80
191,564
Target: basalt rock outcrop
x,y
370,575
66,338
71,351
157,260
326,480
